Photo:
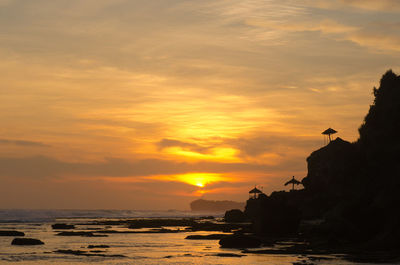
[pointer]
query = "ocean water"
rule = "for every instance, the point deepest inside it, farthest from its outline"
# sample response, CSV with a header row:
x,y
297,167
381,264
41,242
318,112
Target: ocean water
x,y
156,248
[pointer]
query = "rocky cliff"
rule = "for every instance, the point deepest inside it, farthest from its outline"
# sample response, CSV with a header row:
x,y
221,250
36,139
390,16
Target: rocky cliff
x,y
352,187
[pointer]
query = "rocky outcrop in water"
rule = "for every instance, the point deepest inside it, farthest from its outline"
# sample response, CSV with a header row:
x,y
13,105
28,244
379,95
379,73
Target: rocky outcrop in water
x,y
62,226
235,216
98,246
11,233
20,241
206,237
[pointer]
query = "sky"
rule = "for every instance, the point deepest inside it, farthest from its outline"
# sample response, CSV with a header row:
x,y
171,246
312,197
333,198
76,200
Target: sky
x,y
151,104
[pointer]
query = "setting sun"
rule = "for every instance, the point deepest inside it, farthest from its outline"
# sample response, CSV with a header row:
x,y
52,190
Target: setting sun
x,y
196,179
199,179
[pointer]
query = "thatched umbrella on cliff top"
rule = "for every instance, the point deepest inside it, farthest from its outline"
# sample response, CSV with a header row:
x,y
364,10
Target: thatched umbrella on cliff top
x,y
293,181
253,193
328,132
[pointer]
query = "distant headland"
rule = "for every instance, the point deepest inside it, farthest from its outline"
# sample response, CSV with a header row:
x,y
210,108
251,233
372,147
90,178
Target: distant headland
x,y
215,206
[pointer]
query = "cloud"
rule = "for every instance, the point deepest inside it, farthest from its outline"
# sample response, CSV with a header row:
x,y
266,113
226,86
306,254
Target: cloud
x,y
324,26
376,36
22,143
258,145
373,5
376,39
46,167
239,10
165,143
94,193
389,6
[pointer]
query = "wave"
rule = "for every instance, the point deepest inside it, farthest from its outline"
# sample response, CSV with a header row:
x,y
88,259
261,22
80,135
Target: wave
x,y
43,216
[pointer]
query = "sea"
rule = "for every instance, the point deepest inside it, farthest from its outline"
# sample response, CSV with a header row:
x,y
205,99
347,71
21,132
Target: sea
x,y
123,249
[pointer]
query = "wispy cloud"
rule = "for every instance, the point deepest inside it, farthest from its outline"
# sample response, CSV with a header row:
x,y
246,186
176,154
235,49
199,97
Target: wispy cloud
x,y
324,26
258,145
165,143
22,143
377,36
381,5
47,167
382,37
389,6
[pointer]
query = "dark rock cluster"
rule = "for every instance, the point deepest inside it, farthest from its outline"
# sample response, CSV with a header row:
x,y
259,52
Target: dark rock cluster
x,y
235,216
11,233
62,226
21,241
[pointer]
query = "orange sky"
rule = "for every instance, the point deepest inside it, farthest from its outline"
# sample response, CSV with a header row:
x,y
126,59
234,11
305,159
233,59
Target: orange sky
x,y
117,104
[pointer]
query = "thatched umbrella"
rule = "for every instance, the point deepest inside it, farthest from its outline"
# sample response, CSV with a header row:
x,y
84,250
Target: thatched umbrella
x,y
254,192
293,181
328,132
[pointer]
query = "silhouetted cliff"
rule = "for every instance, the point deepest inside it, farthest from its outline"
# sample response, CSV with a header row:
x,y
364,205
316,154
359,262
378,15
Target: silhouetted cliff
x,y
352,187
334,173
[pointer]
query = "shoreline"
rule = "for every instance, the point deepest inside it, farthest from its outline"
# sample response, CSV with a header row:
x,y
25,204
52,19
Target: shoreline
x,y
206,230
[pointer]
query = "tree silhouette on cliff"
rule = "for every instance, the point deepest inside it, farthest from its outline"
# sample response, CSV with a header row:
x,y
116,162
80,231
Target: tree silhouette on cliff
x,y
382,123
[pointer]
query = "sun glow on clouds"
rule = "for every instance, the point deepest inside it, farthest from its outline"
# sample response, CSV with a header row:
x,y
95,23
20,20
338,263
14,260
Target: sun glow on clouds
x,y
216,154
196,179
